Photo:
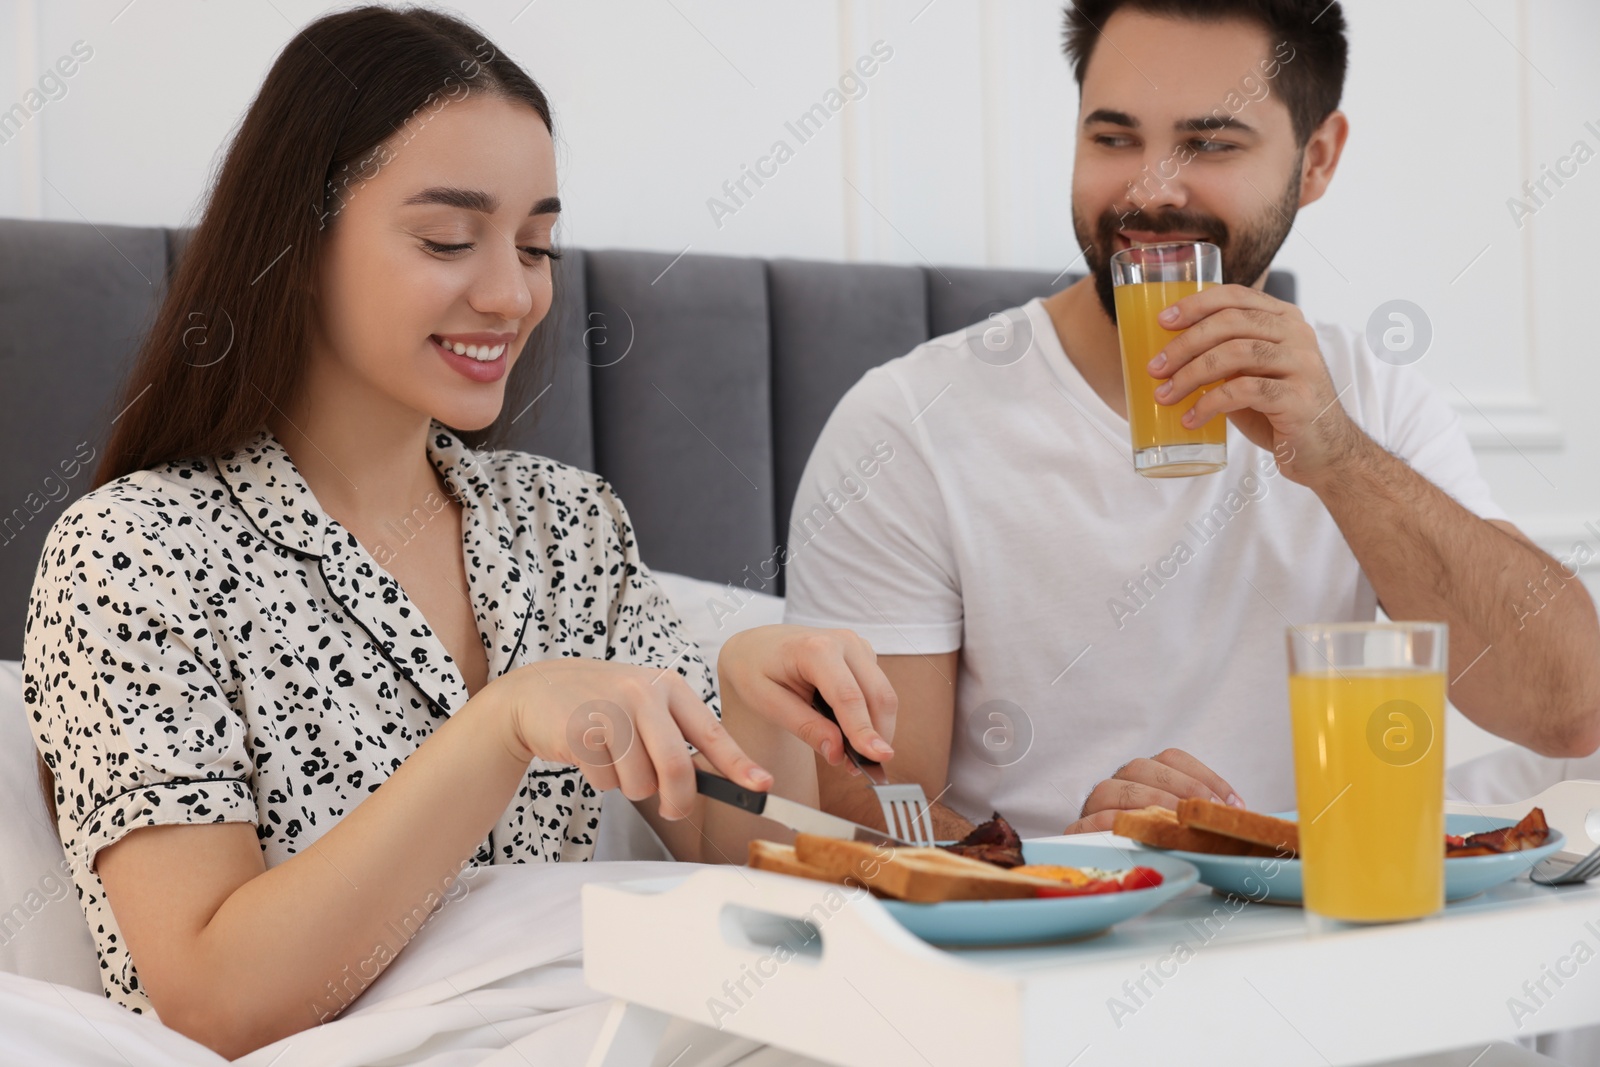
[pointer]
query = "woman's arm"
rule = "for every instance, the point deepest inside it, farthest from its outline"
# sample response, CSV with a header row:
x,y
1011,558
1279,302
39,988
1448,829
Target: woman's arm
x,y
237,956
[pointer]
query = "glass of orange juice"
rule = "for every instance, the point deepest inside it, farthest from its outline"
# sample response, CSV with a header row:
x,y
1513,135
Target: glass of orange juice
x,y
1146,280
1366,704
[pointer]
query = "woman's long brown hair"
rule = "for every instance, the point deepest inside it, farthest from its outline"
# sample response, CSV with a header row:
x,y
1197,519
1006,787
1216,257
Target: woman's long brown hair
x,y
229,341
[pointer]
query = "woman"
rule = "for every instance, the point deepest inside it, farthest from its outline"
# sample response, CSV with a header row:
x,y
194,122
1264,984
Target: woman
x,y
305,652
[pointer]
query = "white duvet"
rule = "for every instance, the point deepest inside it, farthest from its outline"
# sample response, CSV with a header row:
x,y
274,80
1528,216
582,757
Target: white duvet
x,y
495,979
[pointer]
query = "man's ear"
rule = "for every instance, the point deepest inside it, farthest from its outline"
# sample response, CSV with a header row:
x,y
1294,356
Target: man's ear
x,y
1321,156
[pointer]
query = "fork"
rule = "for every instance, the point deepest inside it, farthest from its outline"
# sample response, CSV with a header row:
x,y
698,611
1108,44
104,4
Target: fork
x,y
905,806
1581,871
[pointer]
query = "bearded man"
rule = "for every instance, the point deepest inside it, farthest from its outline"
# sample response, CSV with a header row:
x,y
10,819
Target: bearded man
x,y
1067,638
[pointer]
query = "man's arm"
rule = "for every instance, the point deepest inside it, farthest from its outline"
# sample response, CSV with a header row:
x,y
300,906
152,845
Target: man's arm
x,y
1528,670
1524,638
926,686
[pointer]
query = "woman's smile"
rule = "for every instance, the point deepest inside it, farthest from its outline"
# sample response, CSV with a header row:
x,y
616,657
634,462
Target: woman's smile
x,y
478,356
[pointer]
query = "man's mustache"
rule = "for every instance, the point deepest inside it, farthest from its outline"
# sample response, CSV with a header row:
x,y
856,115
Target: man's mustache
x,y
1208,227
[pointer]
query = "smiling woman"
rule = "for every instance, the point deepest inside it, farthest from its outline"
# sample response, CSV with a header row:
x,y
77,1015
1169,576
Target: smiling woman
x,y
311,139
270,737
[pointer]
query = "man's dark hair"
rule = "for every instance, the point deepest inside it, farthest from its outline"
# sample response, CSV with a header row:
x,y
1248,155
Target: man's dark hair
x,y
1310,83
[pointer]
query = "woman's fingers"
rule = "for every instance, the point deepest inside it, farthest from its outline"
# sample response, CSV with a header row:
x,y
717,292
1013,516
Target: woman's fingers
x,y
598,732
634,764
705,731
672,770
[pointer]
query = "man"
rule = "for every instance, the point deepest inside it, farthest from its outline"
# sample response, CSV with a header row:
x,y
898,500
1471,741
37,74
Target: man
x,y
1067,638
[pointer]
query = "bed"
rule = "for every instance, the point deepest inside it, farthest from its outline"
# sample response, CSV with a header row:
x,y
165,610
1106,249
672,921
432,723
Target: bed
x,y
702,378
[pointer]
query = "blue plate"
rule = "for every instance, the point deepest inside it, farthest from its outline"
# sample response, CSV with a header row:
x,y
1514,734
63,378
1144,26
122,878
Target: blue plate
x,y
1269,880
1011,922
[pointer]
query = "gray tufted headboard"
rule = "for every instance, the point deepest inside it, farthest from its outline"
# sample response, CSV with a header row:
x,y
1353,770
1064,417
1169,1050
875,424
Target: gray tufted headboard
x,y
697,385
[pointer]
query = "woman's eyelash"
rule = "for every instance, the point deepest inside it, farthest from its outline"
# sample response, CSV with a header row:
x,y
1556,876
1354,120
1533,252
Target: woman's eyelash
x,y
533,250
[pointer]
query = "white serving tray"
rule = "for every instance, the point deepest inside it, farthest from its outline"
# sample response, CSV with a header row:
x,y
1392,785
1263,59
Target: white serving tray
x,y
1197,981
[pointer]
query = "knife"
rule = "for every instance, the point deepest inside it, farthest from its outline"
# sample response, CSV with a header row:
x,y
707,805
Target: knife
x,y
788,812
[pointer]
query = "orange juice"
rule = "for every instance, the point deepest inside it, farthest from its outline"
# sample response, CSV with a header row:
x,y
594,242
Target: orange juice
x,y
1154,424
1369,784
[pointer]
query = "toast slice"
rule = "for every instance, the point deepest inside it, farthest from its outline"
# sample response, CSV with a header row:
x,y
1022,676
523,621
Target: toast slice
x,y
920,875
1159,827
770,856
1279,835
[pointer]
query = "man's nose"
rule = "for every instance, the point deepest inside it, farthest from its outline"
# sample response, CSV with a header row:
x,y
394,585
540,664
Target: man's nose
x,y
1159,182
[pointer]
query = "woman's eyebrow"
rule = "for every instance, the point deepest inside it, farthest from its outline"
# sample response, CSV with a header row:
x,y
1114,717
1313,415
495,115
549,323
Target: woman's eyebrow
x,y
475,200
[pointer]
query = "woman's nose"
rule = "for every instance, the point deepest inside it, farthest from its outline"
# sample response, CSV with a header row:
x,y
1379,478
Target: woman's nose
x,y
502,286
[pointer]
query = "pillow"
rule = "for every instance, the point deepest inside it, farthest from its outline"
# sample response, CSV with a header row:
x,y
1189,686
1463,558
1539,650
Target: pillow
x,y
42,930
712,612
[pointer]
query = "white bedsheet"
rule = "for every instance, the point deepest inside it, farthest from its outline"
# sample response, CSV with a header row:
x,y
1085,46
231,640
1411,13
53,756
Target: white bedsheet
x,y
495,979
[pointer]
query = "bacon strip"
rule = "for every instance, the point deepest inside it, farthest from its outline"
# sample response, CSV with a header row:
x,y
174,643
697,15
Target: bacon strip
x,y
1531,832
993,842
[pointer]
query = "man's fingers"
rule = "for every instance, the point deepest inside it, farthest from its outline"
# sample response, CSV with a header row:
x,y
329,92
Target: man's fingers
x,y
1119,794
1180,760
1168,778
1270,396
827,669
1214,298
1229,359
778,705
1228,324
1160,781
883,703
1089,824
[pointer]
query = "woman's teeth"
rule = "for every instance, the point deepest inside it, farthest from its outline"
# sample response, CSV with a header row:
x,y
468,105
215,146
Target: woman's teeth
x,y
481,353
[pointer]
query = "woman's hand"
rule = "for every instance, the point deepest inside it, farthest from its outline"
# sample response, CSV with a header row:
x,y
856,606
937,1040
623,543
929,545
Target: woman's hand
x,y
623,725
776,670
1161,780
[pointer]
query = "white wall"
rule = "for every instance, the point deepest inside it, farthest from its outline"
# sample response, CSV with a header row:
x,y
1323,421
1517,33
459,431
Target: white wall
x,y
959,152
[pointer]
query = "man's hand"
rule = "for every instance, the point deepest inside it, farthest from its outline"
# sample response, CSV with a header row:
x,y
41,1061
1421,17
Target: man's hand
x,y
1269,376
775,670
1163,780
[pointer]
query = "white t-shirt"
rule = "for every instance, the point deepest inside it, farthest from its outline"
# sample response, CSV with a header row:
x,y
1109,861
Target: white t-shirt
x,y
955,502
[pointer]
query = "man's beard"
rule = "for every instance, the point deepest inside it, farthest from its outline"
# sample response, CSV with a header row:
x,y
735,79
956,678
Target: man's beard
x,y
1244,256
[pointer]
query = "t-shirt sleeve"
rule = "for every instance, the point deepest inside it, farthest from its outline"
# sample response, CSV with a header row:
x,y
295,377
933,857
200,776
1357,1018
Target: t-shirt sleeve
x,y
1417,423
124,706
869,545
642,626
